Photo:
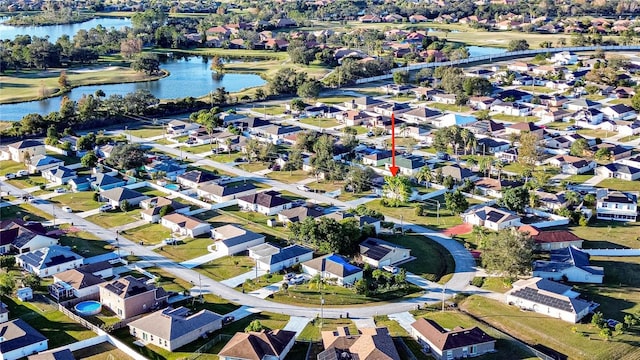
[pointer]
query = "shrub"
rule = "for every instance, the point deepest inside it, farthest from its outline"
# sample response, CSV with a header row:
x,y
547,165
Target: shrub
x,y
583,221
96,196
477,281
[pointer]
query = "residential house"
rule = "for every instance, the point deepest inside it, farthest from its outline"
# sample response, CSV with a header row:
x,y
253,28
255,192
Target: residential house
x,y
40,163
267,203
269,344
232,239
581,104
447,99
273,259
117,195
547,116
104,182
508,156
618,171
362,220
223,193
619,112
416,18
522,127
632,161
617,205
64,354
80,282
514,95
333,267
379,253
629,129
494,187
519,66
185,225
362,103
20,236
25,241
376,157
170,169
177,128
80,183
20,339
487,145
353,117
616,152
171,328
458,173
563,58
453,119
571,164
548,298
547,240
388,109
479,73
153,207
491,218
59,175
551,201
420,115
128,297
370,343
409,165
275,133
425,93
298,213
485,127
511,108
25,150
481,102
568,264
451,344
49,261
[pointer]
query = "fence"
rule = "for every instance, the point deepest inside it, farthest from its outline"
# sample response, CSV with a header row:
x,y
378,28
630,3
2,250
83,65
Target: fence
x,y
73,302
492,57
80,320
206,347
55,150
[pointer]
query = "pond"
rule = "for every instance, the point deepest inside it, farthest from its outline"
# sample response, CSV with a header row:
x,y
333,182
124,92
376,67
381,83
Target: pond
x,y
485,50
189,76
55,31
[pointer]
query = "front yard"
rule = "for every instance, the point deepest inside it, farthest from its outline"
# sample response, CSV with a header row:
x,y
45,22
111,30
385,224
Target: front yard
x,y
226,267
24,210
77,201
85,243
608,234
433,262
186,249
320,122
115,218
620,185
312,332
9,166
289,177
149,234
407,213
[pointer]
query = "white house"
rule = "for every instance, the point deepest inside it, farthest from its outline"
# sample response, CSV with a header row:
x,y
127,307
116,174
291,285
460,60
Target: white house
x,y
272,258
20,339
445,344
232,239
222,193
617,205
153,207
195,178
491,218
619,112
117,195
629,129
59,175
511,108
267,203
185,225
569,264
39,163
81,282
548,298
618,171
563,58
26,149
49,261
379,253
179,128
31,241
334,268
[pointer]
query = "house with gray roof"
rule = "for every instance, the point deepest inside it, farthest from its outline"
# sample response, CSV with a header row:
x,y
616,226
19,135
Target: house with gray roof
x,y
334,268
49,261
64,354
379,253
172,328
20,339
272,258
409,165
451,344
492,218
40,163
298,213
549,298
458,173
103,182
25,149
568,264
232,239
152,208
196,178
115,196
59,175
267,202
618,171
222,193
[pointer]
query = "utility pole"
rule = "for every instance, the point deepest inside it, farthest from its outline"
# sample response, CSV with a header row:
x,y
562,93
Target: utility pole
x,y
53,212
118,243
444,288
200,286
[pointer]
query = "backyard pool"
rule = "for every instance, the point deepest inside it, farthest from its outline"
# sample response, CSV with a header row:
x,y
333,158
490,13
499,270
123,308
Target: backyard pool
x,y
88,308
174,187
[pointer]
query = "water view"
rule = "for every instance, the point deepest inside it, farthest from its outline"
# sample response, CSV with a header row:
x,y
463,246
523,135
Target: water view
x,y
55,31
485,50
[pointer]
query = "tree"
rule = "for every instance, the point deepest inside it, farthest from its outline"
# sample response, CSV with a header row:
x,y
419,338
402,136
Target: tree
x,y
579,147
401,77
515,199
259,94
124,206
130,47
167,209
7,261
7,284
509,252
456,202
477,86
86,142
63,80
517,45
425,174
127,156
448,182
147,63
32,280
635,101
630,321
254,326
89,160
310,89
359,179
397,190
603,154
597,320
528,151
298,104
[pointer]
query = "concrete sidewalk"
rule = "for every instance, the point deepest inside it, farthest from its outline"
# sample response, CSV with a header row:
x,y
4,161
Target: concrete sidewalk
x,y
242,312
405,319
264,292
297,324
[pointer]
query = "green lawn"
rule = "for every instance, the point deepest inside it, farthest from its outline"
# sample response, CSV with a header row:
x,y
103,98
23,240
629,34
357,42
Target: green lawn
x,y
29,181
149,191
359,129
619,184
579,179
150,234
596,133
312,331
629,138
515,119
44,315
187,249
320,122
335,99
260,282
620,101
115,218
252,167
199,149
9,166
608,234
78,201
22,210
289,177
86,244
449,107
147,131
558,125
433,261
407,212
234,210
226,267
226,157
537,89
556,334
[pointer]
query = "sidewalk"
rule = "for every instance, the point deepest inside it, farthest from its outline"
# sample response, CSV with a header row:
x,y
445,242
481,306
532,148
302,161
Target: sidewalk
x,y
297,324
405,319
264,292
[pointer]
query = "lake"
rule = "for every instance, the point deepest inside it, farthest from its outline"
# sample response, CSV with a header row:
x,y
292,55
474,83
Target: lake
x,y
485,50
188,77
55,31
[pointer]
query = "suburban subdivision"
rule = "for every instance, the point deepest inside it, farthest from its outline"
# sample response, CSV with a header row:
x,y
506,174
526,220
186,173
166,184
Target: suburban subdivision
x,y
319,180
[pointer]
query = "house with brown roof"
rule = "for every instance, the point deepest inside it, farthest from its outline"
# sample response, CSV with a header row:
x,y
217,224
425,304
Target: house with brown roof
x,y
128,297
173,328
267,203
371,343
547,240
185,225
522,127
80,282
271,345
232,239
153,207
494,187
451,344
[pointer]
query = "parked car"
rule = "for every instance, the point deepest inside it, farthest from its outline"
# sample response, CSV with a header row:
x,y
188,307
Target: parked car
x,y
227,320
370,134
171,241
297,280
67,209
106,207
289,276
10,176
392,269
22,173
442,155
303,188
60,190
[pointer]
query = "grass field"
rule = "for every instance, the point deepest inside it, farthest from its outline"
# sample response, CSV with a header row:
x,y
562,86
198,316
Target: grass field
x,y
78,202
449,107
629,138
22,210
289,177
32,85
514,119
9,166
407,212
608,234
226,267
29,181
619,184
86,244
149,234
147,131
595,133
187,249
320,122
115,218
433,261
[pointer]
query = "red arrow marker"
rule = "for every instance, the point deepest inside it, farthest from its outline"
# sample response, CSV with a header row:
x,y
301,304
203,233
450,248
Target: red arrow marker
x,y
393,168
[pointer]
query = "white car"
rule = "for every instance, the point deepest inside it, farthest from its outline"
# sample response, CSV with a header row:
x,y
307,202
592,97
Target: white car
x,y
106,207
67,209
303,188
171,241
297,280
60,190
10,176
22,173
392,269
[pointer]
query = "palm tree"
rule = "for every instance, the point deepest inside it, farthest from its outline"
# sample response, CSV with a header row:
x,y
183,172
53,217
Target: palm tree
x,y
484,164
228,143
466,137
534,199
572,197
403,129
499,165
425,174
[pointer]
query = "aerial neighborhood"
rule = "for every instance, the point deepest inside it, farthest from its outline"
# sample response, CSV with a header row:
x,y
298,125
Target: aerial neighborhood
x,y
319,180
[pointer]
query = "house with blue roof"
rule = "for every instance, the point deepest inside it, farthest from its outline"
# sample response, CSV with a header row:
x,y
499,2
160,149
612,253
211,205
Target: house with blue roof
x,y
569,264
272,258
49,261
334,268
41,163
80,183
59,175
103,182
170,168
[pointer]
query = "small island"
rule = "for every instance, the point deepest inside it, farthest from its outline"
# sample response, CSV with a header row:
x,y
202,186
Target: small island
x,y
49,17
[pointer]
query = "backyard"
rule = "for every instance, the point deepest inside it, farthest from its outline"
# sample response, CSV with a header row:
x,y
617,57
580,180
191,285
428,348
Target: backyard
x,y
433,262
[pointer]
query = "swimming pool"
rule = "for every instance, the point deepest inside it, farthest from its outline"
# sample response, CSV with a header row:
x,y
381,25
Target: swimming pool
x,y
174,187
88,308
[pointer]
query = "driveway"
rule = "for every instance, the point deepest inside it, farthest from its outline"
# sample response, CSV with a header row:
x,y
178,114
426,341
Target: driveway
x,y
264,292
297,324
213,255
405,319
364,323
